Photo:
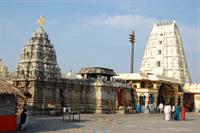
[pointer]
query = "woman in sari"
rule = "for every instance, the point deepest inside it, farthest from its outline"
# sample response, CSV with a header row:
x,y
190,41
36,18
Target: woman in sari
x,y
177,113
183,113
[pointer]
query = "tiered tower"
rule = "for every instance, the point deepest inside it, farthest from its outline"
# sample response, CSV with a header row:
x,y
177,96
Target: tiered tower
x,y
164,53
3,70
37,72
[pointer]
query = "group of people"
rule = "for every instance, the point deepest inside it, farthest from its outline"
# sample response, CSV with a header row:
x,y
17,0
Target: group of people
x,y
146,108
172,112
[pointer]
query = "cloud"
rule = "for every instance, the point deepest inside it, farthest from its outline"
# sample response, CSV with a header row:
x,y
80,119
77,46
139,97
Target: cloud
x,y
126,21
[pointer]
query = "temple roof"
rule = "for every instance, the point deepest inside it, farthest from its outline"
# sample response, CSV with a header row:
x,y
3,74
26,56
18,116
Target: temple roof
x,y
38,58
97,70
150,77
7,88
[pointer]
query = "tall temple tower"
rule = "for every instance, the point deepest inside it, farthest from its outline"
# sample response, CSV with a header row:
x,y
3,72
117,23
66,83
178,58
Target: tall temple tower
x,y
164,53
3,69
37,73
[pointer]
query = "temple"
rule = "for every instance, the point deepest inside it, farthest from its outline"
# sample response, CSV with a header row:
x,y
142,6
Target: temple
x,y
162,78
164,54
38,76
163,71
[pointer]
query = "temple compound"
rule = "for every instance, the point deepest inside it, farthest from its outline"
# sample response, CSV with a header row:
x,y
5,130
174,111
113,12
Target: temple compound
x,y
39,77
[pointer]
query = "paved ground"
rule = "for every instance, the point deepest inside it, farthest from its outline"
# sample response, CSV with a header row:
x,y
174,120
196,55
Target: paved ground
x,y
115,123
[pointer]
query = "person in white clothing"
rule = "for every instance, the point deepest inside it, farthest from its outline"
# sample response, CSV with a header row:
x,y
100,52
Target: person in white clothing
x,y
167,111
161,108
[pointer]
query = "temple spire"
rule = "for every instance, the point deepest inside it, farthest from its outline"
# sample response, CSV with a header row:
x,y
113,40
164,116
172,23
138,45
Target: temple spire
x,y
164,54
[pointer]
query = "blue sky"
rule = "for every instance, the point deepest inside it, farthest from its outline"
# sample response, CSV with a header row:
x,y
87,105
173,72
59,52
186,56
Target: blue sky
x,y
95,32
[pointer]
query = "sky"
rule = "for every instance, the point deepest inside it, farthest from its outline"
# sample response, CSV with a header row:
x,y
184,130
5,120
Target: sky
x,y
87,33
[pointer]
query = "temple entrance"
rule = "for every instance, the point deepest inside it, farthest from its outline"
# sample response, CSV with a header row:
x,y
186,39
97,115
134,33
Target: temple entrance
x,y
120,99
151,99
188,101
133,101
166,94
142,103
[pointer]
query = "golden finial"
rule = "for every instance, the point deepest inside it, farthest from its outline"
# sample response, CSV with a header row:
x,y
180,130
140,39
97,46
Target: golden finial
x,y
41,21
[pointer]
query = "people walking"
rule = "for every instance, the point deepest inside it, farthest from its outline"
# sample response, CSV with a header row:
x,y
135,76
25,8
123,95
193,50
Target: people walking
x,y
183,113
167,112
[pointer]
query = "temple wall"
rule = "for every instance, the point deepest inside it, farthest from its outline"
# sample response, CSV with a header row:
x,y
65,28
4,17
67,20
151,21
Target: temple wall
x,y
197,102
89,96
195,90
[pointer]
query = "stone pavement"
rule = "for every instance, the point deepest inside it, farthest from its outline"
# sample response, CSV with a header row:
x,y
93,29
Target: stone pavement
x,y
115,123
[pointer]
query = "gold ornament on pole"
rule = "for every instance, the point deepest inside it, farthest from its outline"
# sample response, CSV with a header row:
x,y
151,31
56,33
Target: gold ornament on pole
x,y
132,38
132,41
41,21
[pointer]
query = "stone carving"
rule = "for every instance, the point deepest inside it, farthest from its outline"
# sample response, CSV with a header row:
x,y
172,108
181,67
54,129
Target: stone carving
x,y
37,56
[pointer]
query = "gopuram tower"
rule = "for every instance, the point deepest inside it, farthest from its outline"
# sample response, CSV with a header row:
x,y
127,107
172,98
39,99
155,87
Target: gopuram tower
x,y
3,70
164,53
37,73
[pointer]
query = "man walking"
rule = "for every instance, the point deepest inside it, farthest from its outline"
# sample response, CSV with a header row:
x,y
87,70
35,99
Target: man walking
x,y
167,111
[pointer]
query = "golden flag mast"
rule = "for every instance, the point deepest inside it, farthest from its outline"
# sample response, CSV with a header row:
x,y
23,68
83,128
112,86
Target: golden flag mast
x,y
41,21
132,41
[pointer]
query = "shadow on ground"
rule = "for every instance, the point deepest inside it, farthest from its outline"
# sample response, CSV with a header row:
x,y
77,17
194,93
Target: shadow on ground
x,y
39,124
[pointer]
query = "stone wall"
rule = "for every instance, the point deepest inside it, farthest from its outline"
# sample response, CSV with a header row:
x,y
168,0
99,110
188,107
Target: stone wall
x,y
195,90
91,96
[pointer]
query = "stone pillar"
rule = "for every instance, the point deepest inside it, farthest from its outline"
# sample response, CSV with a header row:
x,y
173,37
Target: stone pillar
x,y
147,97
197,102
154,86
181,100
176,99
138,97
155,99
98,77
99,99
138,85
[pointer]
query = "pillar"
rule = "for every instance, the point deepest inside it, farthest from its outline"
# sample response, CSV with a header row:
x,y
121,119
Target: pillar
x,y
155,99
146,98
197,102
154,86
99,99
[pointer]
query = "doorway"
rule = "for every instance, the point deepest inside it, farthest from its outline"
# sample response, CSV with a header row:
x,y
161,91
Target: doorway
x,y
188,101
166,94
